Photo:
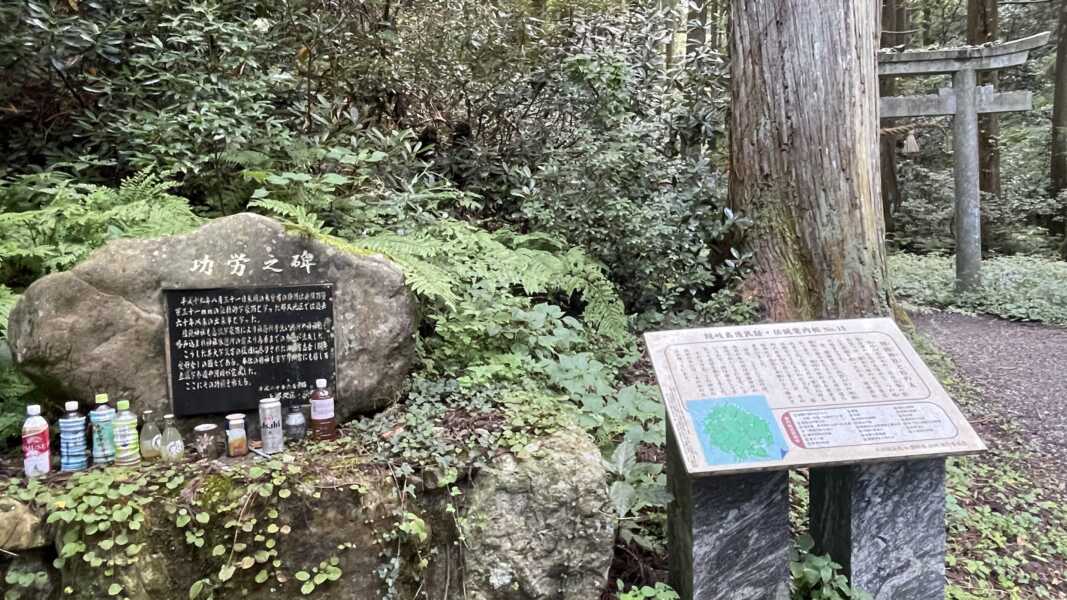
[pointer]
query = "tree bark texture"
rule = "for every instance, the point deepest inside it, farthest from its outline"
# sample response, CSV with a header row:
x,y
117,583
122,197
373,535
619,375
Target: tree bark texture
x,y
983,26
1058,171
804,154
887,151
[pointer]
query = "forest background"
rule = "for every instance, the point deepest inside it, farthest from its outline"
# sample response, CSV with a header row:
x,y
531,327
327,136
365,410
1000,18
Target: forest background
x,y
552,177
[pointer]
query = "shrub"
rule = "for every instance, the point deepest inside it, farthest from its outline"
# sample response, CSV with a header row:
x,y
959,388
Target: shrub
x,y
1021,288
565,121
48,223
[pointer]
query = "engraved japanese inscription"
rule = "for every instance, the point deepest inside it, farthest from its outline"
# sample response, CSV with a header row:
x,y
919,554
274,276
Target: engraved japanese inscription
x,y
229,347
772,396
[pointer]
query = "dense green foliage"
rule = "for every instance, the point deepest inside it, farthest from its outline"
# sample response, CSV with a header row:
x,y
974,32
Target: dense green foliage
x,y
49,223
571,124
523,170
1021,288
1026,217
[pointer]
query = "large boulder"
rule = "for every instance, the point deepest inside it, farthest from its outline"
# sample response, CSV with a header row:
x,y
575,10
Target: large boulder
x,y
533,528
100,326
20,528
541,528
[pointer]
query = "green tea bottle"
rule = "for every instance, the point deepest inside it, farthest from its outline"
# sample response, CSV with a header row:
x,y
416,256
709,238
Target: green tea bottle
x,y
102,419
127,449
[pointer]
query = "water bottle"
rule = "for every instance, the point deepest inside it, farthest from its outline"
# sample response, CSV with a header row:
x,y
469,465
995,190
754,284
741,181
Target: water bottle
x,y
36,451
73,447
103,420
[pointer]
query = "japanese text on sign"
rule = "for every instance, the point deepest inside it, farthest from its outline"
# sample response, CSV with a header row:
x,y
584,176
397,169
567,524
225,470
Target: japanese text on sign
x,y
227,348
239,264
772,396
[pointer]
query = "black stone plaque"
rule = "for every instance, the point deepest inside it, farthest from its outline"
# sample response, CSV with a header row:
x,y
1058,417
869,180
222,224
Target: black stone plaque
x,y
227,348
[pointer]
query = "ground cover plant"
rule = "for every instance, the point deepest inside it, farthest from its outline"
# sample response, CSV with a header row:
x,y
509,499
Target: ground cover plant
x,y
1021,288
1006,515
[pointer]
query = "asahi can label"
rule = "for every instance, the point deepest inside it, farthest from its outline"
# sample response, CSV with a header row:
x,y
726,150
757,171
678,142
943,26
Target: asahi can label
x,y
270,426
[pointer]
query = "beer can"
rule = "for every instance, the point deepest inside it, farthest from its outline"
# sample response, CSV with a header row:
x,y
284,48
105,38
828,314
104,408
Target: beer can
x,y
270,425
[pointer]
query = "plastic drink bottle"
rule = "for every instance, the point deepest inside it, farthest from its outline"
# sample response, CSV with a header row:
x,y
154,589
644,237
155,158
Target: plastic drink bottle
x,y
73,447
103,420
172,449
323,422
127,449
36,453
151,438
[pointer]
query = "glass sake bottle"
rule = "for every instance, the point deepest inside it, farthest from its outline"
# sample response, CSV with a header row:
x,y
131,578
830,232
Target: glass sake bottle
x,y
172,448
151,438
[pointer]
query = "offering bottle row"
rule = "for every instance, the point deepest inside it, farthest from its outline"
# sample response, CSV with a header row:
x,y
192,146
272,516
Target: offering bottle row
x,y
115,437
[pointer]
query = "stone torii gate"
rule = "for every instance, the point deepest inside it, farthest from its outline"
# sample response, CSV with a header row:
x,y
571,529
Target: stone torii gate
x,y
964,101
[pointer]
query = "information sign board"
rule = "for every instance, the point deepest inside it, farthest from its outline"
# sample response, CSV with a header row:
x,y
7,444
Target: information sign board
x,y
774,396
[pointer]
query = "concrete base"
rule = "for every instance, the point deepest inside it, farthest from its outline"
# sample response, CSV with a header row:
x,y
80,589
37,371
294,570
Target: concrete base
x,y
885,524
729,535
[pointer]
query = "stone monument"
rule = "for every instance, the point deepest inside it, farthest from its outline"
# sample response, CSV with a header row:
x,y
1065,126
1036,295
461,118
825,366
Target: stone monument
x,y
852,400
212,320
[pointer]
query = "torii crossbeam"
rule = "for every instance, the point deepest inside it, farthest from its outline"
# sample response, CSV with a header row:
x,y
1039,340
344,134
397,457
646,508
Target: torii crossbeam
x,y
964,101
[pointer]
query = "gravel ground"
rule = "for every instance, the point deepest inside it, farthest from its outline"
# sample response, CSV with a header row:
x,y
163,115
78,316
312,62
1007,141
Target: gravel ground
x,y
1020,370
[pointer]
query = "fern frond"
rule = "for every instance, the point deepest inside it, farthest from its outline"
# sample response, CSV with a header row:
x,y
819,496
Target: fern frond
x,y
8,299
424,278
298,218
246,158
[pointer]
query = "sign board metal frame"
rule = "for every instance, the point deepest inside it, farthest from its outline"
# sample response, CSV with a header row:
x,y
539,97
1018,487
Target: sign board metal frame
x,y
784,395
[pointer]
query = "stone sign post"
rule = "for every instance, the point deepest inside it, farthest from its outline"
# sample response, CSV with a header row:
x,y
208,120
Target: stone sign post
x,y
850,398
964,101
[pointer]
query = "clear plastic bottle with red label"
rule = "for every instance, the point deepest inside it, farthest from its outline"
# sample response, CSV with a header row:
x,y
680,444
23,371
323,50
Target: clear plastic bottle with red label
x,y
36,446
323,422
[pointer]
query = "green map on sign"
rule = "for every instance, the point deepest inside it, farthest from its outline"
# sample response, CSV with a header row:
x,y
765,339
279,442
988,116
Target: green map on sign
x,y
737,432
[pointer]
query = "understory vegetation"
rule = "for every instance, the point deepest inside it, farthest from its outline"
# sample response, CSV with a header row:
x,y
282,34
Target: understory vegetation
x,y
1005,512
551,178
1020,288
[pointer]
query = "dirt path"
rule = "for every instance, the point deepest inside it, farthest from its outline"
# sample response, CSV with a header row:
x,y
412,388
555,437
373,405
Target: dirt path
x,y
1020,370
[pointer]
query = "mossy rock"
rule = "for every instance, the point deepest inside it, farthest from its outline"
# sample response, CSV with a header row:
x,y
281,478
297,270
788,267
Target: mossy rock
x,y
328,523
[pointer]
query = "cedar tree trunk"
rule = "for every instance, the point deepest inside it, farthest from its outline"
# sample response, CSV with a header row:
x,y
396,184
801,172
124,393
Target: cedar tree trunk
x,y
804,155
1058,172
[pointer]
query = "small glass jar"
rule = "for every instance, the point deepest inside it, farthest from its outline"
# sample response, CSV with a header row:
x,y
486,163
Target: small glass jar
x,y
236,437
207,441
296,426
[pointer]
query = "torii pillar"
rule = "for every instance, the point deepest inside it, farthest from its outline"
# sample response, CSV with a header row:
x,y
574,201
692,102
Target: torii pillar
x,y
964,101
